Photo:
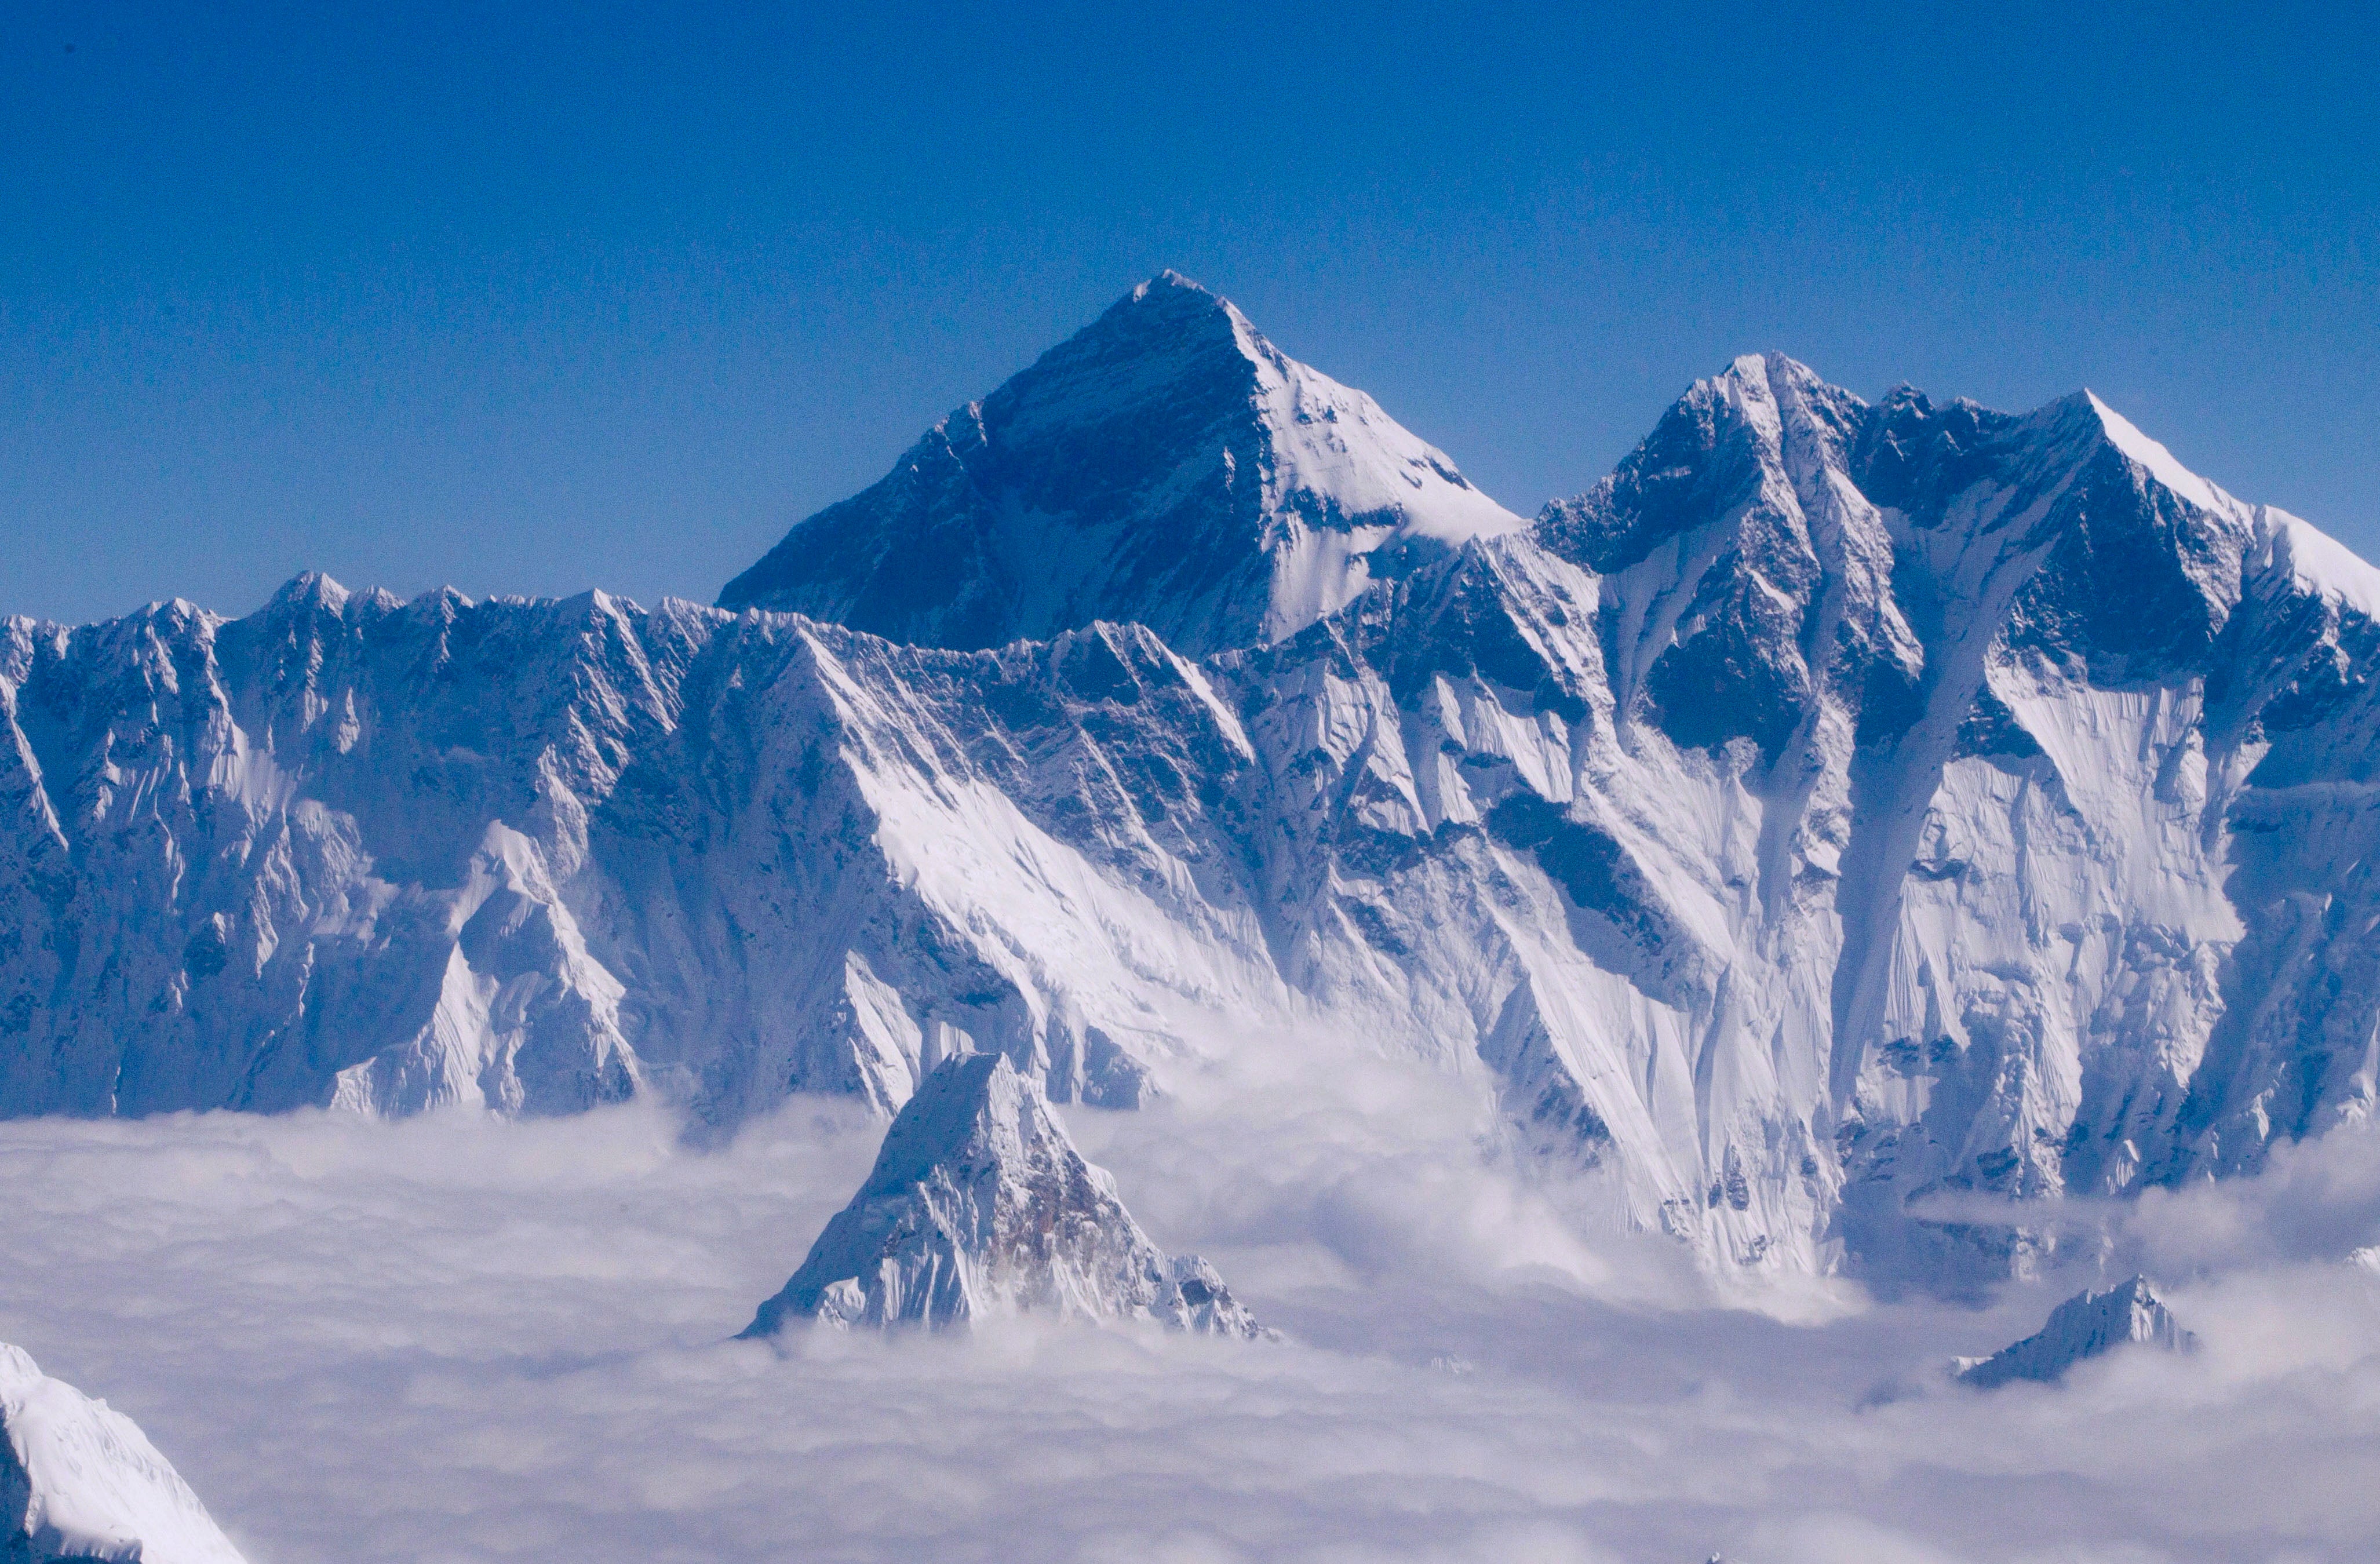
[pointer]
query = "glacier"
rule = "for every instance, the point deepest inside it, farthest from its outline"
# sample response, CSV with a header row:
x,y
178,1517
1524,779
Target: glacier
x,y
79,1483
1837,830
979,1205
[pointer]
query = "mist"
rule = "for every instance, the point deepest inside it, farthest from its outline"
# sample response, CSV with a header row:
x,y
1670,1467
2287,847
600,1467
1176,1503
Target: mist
x,y
453,1339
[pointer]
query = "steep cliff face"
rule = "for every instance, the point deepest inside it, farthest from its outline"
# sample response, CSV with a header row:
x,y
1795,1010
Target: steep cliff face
x,y
1167,465
79,1483
980,1206
1839,807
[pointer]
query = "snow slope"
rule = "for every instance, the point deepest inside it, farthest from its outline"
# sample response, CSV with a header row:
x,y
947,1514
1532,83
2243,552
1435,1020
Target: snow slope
x,y
79,1482
1166,465
979,1205
1841,819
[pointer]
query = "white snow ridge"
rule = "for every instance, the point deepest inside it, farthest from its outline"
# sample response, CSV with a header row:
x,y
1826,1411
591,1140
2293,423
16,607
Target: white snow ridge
x,y
979,1205
79,1483
2085,1325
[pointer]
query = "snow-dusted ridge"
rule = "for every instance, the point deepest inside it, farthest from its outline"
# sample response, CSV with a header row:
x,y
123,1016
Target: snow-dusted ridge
x,y
1838,807
79,1483
980,1207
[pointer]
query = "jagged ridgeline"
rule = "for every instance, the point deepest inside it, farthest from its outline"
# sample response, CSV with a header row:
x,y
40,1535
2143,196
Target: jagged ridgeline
x,y
1837,805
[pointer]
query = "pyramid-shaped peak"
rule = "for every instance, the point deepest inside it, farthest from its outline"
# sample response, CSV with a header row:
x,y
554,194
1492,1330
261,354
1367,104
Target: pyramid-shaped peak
x,y
311,589
1777,379
1165,465
1170,289
974,1106
1728,440
1167,303
1770,369
979,1205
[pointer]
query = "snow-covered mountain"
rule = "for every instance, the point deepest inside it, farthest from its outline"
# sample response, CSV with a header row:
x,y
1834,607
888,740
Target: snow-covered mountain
x,y
979,1205
79,1483
1838,807
1167,466
2085,1325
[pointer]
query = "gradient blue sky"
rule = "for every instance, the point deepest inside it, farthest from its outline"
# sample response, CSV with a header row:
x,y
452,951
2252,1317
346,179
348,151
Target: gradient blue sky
x,y
530,298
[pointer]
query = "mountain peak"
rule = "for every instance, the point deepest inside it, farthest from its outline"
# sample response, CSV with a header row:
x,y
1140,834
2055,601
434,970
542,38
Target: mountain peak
x,y
1770,368
2126,437
2086,1325
313,589
1172,285
979,1205
1166,464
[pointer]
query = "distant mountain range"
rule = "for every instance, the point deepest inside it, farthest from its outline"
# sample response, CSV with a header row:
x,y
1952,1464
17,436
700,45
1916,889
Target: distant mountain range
x,y
1838,805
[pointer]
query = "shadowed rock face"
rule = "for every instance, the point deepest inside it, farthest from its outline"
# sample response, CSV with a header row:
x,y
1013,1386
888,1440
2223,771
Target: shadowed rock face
x,y
1166,465
80,1484
979,1205
2085,1325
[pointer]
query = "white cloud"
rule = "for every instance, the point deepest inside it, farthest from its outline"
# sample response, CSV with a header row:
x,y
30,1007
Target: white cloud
x,y
454,1340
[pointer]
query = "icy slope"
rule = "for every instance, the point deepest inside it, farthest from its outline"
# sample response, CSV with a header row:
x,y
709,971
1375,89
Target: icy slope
x,y
2085,1325
980,1205
79,1482
1167,465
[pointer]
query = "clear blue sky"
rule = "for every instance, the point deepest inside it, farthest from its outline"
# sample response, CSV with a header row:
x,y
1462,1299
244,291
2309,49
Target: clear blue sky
x,y
530,298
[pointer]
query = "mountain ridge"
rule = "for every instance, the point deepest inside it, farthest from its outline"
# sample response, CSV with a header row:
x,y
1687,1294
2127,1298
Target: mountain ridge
x,y
1842,805
81,1484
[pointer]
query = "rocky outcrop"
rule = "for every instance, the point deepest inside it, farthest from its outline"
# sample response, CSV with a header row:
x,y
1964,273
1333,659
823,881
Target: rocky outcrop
x,y
79,1483
980,1206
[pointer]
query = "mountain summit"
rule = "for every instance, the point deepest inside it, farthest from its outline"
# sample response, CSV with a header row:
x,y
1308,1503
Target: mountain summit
x,y
2088,1324
1165,465
978,1205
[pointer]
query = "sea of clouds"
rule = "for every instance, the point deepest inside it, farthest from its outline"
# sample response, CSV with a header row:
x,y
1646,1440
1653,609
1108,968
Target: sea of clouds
x,y
453,1339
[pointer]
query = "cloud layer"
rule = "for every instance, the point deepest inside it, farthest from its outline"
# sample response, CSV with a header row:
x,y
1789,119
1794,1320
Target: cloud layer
x,y
454,1340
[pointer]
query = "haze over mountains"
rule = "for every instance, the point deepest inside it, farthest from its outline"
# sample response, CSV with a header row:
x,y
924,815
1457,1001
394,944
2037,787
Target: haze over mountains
x,y
1838,811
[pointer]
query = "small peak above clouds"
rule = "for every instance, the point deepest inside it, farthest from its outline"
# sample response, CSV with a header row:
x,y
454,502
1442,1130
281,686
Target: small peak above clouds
x,y
2088,1324
980,1206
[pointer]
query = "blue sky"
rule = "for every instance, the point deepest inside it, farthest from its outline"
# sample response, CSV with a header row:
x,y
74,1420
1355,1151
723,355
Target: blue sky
x,y
530,298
